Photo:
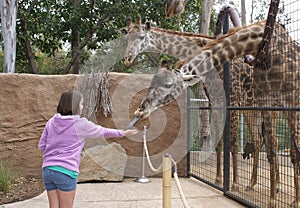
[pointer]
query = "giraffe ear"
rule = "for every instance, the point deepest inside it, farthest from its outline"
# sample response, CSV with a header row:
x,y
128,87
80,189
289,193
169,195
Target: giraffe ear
x,y
147,25
128,21
123,31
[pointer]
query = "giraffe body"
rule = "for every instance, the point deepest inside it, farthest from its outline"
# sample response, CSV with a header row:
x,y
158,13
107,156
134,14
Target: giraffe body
x,y
187,45
270,85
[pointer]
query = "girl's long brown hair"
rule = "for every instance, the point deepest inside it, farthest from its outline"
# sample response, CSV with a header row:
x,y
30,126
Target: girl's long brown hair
x,y
69,103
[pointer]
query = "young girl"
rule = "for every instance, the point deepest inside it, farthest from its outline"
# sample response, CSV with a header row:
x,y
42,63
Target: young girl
x,y
62,141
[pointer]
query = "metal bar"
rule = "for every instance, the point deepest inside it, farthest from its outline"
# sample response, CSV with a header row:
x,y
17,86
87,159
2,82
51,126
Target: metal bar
x,y
226,143
143,178
249,108
241,200
188,134
206,182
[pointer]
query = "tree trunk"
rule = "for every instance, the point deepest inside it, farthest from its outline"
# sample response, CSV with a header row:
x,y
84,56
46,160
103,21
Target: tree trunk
x,y
88,37
8,21
28,47
252,9
204,124
205,16
76,40
243,12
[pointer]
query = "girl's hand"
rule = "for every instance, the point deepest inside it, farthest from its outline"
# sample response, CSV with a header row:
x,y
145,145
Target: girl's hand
x,y
130,132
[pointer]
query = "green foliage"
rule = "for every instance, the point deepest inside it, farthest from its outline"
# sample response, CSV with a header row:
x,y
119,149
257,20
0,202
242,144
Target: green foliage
x,y
52,64
49,27
283,132
195,142
6,178
1,60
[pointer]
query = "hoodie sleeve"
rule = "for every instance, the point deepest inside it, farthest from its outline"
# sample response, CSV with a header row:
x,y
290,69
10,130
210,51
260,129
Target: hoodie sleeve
x,y
88,129
43,139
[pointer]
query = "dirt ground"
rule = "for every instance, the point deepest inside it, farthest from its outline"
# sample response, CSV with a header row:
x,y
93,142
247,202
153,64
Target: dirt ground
x,y
260,194
22,189
21,158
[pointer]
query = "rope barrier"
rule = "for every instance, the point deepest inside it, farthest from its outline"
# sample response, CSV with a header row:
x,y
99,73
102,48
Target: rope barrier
x,y
179,188
156,170
177,182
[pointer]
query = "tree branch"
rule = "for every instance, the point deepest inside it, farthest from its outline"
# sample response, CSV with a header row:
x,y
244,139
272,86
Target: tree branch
x,y
89,36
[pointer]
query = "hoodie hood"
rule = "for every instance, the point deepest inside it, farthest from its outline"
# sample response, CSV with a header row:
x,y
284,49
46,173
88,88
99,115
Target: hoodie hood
x,y
62,123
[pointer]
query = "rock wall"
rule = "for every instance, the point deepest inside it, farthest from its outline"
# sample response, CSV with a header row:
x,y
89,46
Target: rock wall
x,y
28,101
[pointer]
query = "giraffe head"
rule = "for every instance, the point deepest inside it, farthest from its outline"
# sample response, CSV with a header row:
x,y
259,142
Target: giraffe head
x,y
165,87
137,36
147,38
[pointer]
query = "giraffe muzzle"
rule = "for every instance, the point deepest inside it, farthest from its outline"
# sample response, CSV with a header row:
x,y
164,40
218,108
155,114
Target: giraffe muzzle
x,y
138,113
128,61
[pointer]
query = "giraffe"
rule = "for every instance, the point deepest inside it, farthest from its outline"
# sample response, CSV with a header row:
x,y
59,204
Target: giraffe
x,y
174,7
142,38
149,38
177,7
271,87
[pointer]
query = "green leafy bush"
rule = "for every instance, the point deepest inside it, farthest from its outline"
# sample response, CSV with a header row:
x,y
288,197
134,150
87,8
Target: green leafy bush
x,y
6,178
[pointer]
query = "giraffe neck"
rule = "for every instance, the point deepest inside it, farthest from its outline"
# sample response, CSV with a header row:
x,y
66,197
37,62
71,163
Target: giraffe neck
x,y
178,44
237,43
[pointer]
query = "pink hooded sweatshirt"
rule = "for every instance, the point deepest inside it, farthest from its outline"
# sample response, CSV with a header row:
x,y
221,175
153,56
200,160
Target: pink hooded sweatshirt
x,y
64,137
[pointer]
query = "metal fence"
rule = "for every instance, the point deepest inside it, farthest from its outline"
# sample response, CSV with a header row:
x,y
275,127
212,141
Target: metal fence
x,y
256,165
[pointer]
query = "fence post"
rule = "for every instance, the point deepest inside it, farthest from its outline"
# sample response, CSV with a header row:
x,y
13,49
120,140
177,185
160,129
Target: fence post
x,y
226,136
167,176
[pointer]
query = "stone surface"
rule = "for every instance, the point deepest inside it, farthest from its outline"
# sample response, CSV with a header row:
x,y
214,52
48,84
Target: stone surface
x,y
103,163
137,195
28,101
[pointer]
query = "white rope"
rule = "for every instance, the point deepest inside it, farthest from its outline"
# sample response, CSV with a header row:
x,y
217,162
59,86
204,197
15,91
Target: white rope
x,y
185,204
148,158
179,188
177,182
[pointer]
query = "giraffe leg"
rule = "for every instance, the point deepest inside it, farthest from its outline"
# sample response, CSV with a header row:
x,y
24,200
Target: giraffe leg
x,y
294,124
297,180
253,121
275,115
174,7
218,179
271,155
217,118
296,166
204,124
216,96
234,148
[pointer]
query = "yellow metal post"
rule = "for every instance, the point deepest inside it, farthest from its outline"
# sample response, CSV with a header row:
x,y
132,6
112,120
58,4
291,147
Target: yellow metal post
x,y
167,176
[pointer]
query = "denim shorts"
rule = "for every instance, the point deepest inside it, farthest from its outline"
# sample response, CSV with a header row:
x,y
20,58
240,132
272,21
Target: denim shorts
x,y
56,180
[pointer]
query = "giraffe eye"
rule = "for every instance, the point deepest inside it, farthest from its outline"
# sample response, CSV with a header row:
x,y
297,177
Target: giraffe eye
x,y
168,84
